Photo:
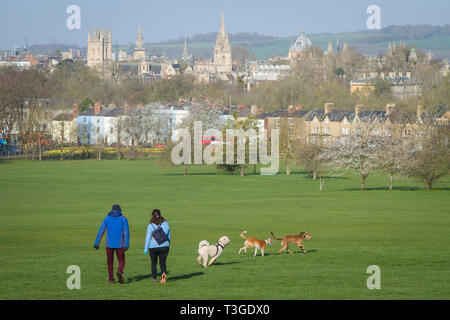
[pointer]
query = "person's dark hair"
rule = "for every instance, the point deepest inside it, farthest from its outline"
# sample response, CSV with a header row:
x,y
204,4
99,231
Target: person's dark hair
x,y
116,207
156,217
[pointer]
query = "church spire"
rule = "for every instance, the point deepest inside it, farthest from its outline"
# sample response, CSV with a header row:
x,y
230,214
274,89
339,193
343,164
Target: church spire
x,y
222,25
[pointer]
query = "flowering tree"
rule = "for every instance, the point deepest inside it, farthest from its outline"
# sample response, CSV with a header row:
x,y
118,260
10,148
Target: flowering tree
x,y
431,153
359,151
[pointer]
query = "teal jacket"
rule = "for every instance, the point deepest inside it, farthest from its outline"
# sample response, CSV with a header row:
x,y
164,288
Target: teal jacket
x,y
150,242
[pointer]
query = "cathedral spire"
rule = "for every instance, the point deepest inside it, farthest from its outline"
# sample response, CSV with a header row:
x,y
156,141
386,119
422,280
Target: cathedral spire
x,y
222,25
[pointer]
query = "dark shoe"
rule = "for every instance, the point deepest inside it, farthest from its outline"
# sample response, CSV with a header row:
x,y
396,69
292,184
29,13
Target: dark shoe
x,y
111,281
154,281
119,275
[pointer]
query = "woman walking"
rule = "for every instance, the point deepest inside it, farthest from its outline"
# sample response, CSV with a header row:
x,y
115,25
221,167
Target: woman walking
x,y
157,242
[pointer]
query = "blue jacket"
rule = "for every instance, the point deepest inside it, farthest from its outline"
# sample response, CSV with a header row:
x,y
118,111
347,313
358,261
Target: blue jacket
x,y
150,242
118,235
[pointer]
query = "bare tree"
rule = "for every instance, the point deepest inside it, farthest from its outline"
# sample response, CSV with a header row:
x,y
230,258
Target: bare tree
x,y
137,126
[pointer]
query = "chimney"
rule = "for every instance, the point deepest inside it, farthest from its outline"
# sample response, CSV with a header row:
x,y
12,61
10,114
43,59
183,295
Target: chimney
x,y
358,109
390,107
97,107
291,109
75,111
254,109
139,106
299,107
328,107
408,75
419,111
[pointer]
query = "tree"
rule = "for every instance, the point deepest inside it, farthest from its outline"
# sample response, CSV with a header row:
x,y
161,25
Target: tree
x,y
85,104
291,136
209,117
137,126
84,138
394,155
432,154
358,152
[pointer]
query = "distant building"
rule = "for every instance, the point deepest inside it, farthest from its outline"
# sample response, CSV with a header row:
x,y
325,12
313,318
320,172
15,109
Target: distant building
x,y
402,85
299,48
222,51
99,54
139,50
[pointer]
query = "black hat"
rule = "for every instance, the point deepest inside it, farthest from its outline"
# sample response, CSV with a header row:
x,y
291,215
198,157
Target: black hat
x,y
116,207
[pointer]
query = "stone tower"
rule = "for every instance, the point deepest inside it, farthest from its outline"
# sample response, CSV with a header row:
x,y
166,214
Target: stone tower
x,y
222,50
186,55
99,48
139,50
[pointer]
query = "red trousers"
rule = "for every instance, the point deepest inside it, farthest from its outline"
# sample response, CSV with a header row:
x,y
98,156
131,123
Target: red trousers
x,y
110,260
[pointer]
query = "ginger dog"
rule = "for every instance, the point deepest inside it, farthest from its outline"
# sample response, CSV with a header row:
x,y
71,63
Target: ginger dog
x,y
253,242
294,239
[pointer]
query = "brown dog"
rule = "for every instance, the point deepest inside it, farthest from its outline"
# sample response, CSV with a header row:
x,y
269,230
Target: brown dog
x,y
295,239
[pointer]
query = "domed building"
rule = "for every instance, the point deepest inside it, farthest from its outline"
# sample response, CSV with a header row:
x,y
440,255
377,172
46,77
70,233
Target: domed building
x,y
299,47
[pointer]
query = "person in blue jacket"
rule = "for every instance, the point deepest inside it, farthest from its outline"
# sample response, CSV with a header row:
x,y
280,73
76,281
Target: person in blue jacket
x,y
156,249
117,239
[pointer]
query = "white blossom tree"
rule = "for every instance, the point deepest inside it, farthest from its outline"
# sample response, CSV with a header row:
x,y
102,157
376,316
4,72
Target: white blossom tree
x,y
358,152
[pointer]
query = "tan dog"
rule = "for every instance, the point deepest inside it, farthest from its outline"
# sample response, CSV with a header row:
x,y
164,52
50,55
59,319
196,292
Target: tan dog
x,y
256,243
295,239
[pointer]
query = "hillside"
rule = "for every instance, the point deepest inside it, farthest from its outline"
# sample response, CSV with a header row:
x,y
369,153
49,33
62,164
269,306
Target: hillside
x,y
426,37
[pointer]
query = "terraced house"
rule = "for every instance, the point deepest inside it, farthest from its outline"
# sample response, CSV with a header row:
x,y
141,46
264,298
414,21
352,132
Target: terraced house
x,y
332,125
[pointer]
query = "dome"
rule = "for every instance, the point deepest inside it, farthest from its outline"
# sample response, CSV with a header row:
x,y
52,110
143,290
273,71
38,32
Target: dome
x,y
302,43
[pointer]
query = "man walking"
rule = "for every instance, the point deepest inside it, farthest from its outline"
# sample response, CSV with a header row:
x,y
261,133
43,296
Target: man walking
x,y
117,239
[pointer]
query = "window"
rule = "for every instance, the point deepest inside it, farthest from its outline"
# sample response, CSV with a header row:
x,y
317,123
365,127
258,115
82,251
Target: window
x,y
326,130
112,130
84,120
345,121
315,130
277,122
98,130
387,132
291,122
98,120
345,131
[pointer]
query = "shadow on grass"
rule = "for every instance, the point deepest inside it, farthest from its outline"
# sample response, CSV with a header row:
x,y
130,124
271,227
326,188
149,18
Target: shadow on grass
x,y
294,252
192,174
224,263
400,188
185,276
143,277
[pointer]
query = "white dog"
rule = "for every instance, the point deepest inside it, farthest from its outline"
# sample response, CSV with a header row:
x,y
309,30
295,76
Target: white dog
x,y
206,250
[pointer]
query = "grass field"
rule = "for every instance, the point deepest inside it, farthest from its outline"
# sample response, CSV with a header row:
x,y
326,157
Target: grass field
x,y
50,213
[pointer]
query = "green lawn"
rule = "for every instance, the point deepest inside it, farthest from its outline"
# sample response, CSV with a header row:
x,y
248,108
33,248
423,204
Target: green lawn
x,y
51,211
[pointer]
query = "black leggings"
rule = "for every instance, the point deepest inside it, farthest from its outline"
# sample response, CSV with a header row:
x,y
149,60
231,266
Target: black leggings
x,y
162,253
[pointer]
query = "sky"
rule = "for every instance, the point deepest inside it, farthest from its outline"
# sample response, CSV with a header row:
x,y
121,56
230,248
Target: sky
x,y
44,21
